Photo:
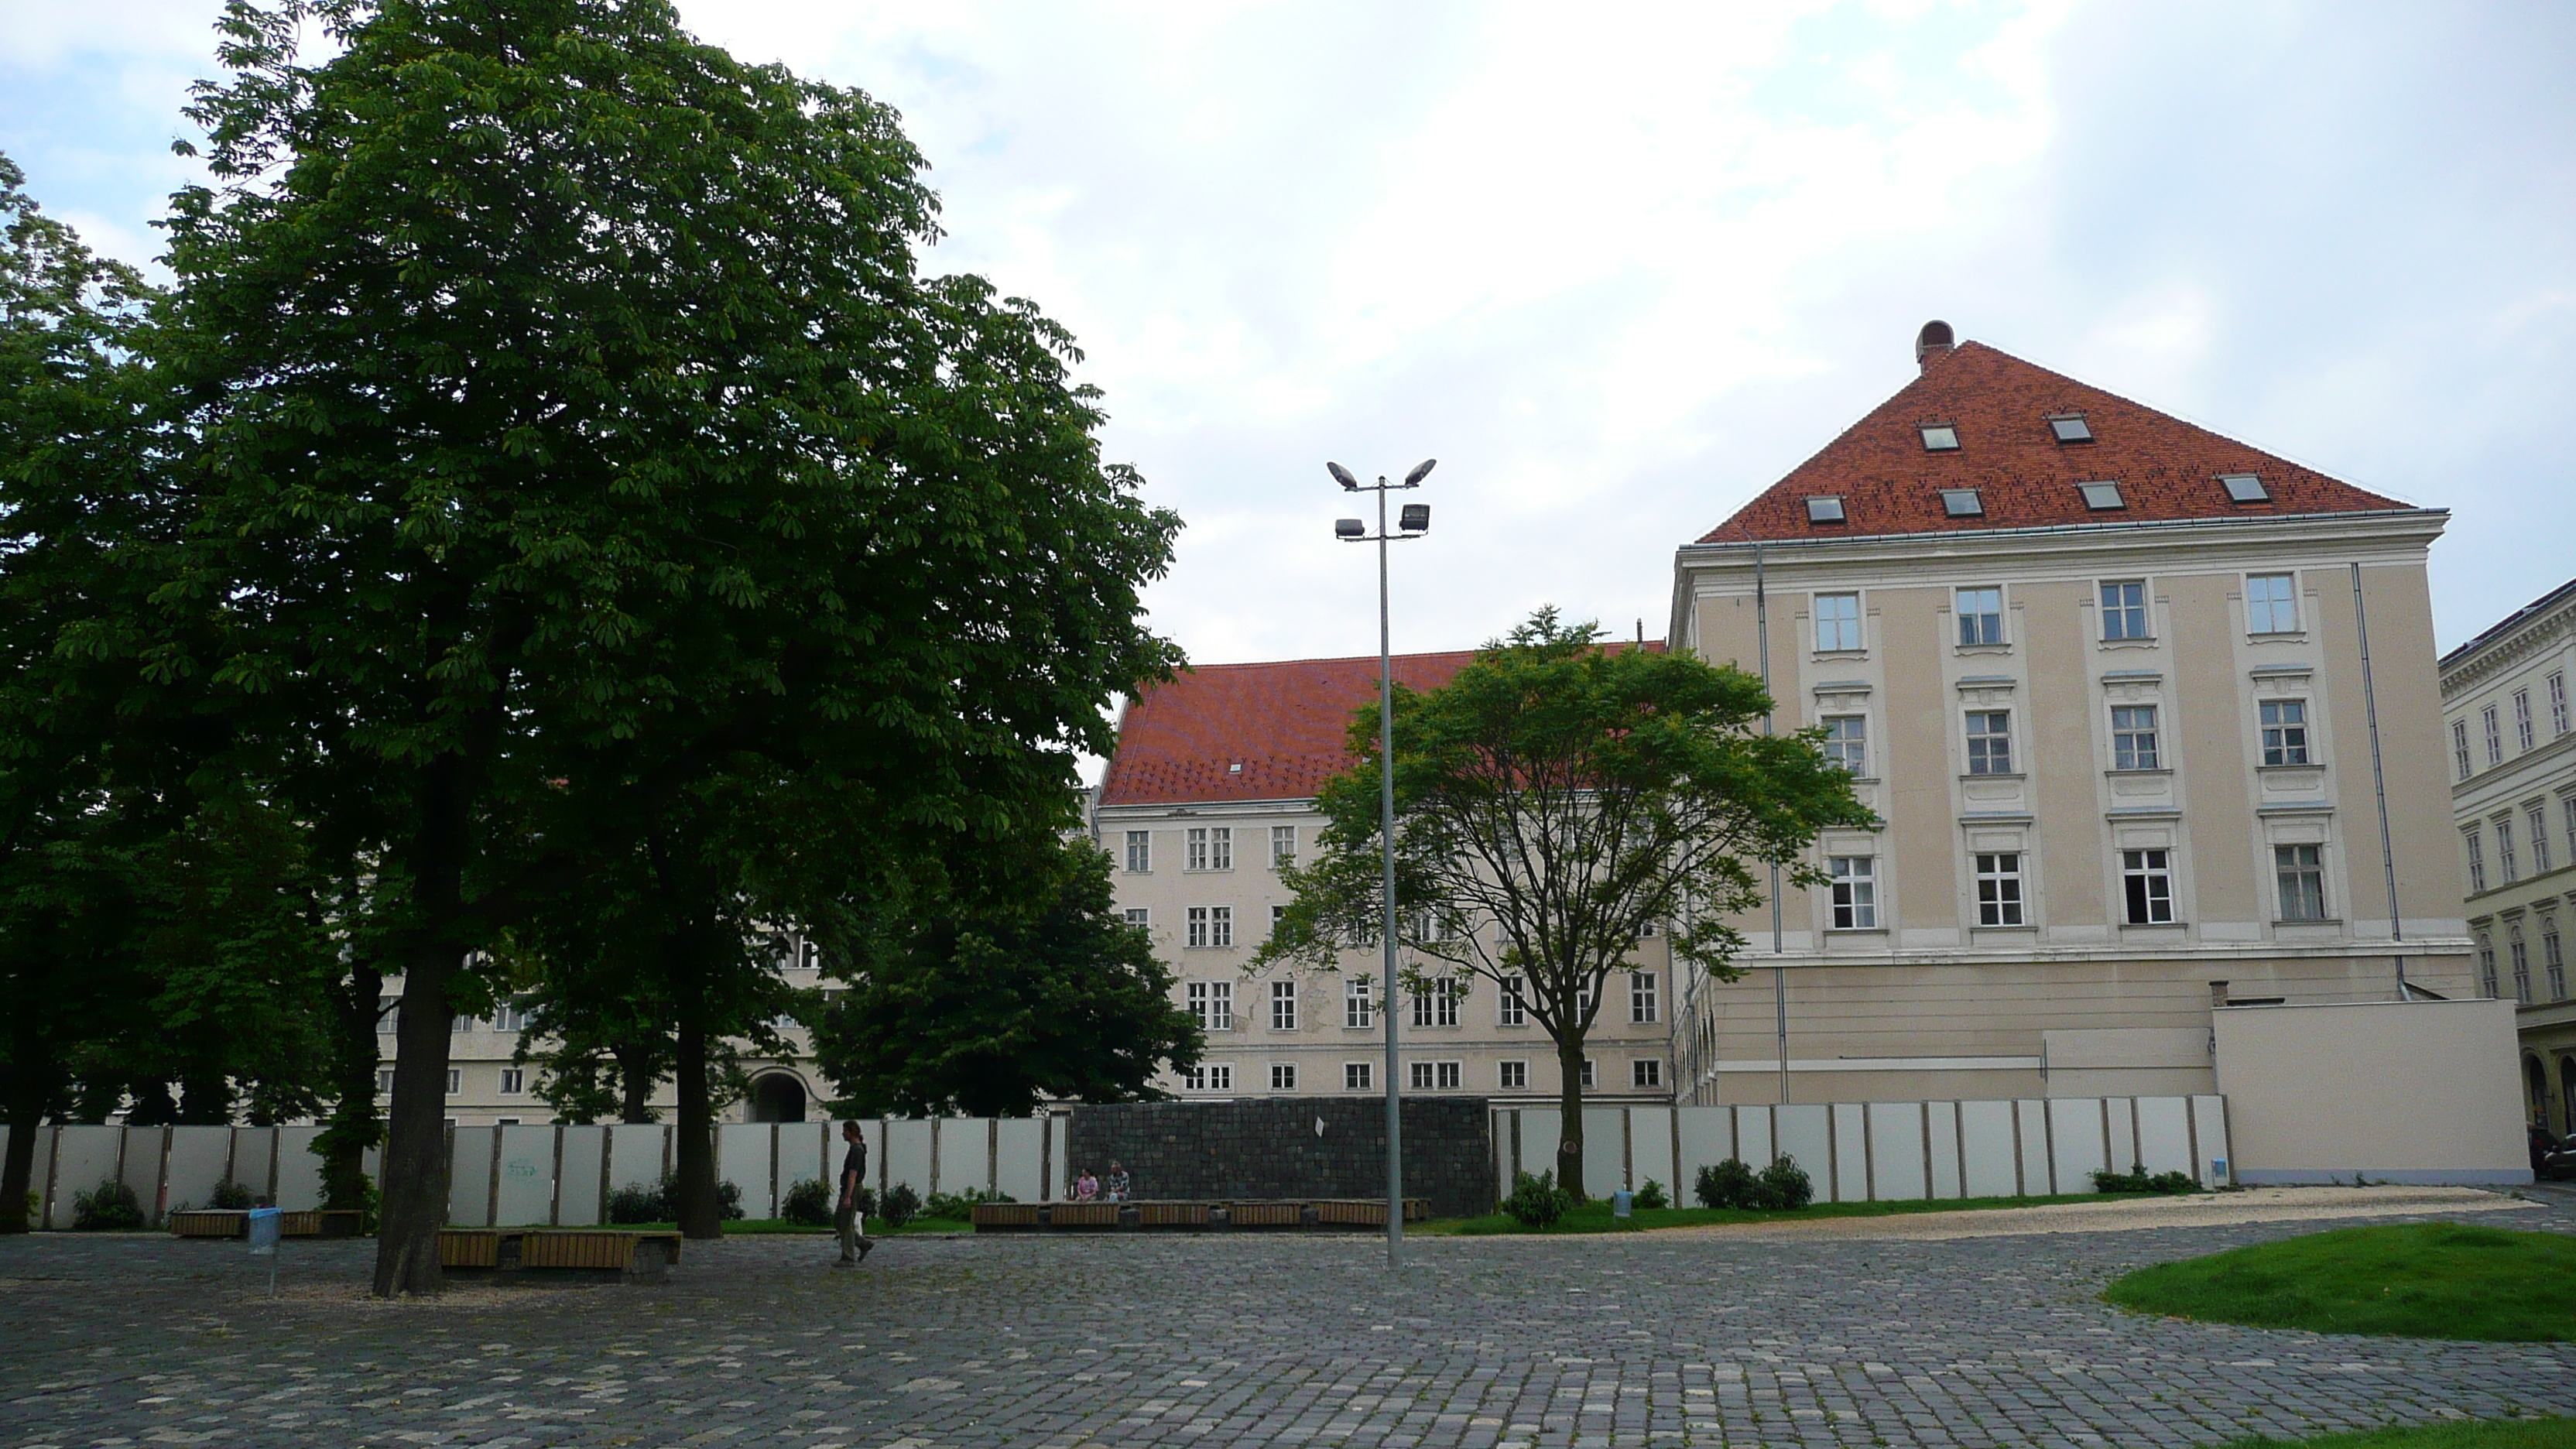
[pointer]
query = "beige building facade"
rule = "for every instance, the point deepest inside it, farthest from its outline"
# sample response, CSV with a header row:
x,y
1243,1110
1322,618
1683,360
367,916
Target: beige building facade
x,y
2150,722
2510,727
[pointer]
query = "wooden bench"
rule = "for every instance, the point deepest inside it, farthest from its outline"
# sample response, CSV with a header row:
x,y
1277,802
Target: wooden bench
x,y
1007,1217
1368,1212
233,1223
210,1223
595,1251
1266,1215
1082,1215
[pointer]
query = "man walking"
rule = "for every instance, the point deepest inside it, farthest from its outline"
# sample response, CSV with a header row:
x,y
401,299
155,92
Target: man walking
x,y
855,1245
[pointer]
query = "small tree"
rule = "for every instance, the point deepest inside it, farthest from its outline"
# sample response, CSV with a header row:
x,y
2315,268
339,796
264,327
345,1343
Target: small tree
x,y
1555,800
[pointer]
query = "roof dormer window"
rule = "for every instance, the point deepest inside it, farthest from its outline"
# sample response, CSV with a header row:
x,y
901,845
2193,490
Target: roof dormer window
x,y
1825,510
2102,497
1962,503
1940,438
2071,429
2244,488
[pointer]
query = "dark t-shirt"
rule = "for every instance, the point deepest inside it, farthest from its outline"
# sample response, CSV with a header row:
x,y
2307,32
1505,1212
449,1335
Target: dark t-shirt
x,y
855,1160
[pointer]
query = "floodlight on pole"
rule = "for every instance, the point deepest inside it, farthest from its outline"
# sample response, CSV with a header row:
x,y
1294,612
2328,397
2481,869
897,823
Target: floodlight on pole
x,y
1415,522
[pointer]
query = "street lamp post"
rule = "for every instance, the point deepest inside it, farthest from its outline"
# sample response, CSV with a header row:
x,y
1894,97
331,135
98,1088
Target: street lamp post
x,y
1414,522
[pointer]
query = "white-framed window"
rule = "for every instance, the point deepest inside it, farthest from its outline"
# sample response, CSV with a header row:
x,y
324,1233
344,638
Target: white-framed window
x,y
1140,916
2567,807
1512,1076
1210,847
1436,1004
1646,1072
2460,749
1356,1076
1588,1077
1283,845
2133,737
1212,1004
1854,884
1847,742
2553,957
1283,1076
1999,901
1283,1006
1837,622
1645,998
1140,850
389,1010
2272,604
2124,609
2477,845
2538,820
514,1081
2521,954
2558,721
455,1081
1511,1002
1220,925
1197,932
509,1015
384,1081
1990,742
1437,1076
2302,875
1277,914
2285,731
2522,728
2146,881
2487,966
1359,1003
1214,1077
2506,860
1981,616
1940,437
2495,735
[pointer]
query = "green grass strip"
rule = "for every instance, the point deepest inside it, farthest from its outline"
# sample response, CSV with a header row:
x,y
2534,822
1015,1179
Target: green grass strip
x,y
2548,1433
2421,1280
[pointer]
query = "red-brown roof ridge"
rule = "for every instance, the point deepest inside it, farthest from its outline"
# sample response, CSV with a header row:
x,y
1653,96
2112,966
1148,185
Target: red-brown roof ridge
x,y
2168,469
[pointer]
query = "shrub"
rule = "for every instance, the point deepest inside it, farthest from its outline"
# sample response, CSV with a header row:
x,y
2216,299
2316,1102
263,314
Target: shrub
x,y
1729,1184
1651,1196
960,1205
1537,1201
1785,1186
900,1205
111,1207
232,1196
635,1203
2137,1180
808,1204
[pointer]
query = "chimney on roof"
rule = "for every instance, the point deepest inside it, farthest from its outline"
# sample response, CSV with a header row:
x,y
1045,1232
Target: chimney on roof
x,y
1935,339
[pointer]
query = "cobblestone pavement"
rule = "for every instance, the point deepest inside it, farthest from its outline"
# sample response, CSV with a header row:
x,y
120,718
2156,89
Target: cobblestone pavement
x,y
1642,1339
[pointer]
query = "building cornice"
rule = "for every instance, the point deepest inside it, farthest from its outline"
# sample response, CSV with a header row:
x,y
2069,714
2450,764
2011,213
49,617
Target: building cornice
x,y
2388,534
2467,669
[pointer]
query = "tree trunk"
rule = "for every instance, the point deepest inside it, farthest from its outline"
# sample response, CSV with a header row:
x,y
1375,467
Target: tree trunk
x,y
699,1214
29,1078
415,1160
634,1080
1569,1107
355,1124
205,1098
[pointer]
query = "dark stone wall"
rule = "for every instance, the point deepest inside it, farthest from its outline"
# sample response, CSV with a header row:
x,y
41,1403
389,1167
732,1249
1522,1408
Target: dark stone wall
x,y
1269,1148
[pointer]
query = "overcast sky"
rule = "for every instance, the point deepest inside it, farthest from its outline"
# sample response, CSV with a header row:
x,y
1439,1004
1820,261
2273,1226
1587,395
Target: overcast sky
x,y
1619,268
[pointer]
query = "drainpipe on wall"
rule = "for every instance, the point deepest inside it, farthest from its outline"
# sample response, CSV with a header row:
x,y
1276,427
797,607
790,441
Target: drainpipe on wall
x,y
2379,782
1779,974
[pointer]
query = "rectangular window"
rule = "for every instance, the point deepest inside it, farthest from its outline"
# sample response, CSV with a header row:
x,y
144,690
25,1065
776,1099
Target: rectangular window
x,y
1283,1076
2460,749
2554,958
2522,731
2477,861
1646,1072
1436,1004
1221,848
1847,742
455,1081
2285,731
2506,860
2487,967
1359,1004
1139,916
1212,1005
1989,742
1283,845
1588,1077
1197,855
1194,1079
2271,607
1644,1002
2147,878
2124,610
385,1081
1837,622
1140,850
2133,737
2538,820
1283,1006
1220,1077
1420,1074
389,1008
1448,1076
2521,968
509,1016
2495,735
1855,891
2301,869
513,1081
1198,926
1511,1006
1220,925
2558,723
1512,1076
1355,1076
1999,888
1981,616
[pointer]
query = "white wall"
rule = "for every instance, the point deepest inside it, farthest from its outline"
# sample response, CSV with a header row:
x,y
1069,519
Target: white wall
x,y
2415,1091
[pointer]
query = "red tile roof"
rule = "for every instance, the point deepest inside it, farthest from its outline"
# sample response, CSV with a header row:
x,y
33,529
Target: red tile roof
x,y
2167,469
1282,723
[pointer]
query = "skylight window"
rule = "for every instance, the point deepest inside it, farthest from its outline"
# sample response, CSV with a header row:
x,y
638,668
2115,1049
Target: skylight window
x,y
1825,510
2071,429
1940,438
1962,503
2244,488
2099,496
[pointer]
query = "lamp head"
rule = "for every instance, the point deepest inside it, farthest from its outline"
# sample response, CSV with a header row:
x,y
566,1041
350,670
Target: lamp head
x,y
1343,476
1420,471
1349,528
1416,517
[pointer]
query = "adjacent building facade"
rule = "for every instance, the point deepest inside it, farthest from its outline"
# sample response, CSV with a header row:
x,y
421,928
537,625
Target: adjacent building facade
x,y
1212,789
2150,721
2512,744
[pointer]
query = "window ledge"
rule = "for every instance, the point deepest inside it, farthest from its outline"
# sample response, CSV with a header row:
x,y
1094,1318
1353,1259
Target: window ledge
x,y
2145,770
1855,930
2275,769
1860,654
1981,648
2148,641
2022,930
2320,921
1996,775
2283,636
2173,926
